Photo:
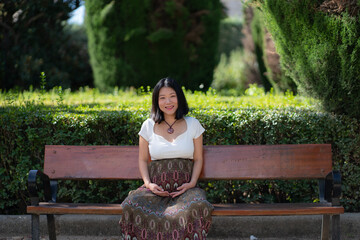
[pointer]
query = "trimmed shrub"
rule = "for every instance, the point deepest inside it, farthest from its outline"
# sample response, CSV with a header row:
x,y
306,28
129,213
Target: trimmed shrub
x,y
138,42
319,44
26,129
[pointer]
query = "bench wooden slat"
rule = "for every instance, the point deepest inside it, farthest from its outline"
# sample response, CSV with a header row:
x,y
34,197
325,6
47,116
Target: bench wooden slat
x,y
91,162
305,161
220,209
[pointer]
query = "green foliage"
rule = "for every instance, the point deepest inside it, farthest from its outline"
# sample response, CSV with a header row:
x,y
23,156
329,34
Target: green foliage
x,y
319,50
138,42
77,60
33,39
258,35
230,36
270,79
247,58
27,124
230,74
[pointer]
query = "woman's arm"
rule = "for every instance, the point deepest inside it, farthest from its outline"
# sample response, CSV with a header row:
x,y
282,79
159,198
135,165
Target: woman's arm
x,y
198,160
143,167
198,163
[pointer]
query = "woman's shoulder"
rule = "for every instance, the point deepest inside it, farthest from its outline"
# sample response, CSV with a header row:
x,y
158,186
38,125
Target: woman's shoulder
x,y
191,120
148,122
194,126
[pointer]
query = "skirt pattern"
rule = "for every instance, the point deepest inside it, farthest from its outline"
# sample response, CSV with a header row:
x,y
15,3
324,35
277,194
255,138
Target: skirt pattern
x,y
148,216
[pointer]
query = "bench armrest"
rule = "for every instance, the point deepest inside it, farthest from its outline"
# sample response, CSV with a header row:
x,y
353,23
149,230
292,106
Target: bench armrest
x,y
50,187
333,187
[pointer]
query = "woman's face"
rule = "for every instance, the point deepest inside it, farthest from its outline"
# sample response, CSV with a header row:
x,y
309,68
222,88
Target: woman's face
x,y
168,102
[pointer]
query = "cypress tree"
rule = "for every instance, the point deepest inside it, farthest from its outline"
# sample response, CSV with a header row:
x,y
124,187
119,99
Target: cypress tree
x,y
137,42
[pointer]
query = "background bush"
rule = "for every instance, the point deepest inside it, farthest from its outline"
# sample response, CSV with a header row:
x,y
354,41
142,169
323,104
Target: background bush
x,y
230,35
138,42
230,74
248,56
26,128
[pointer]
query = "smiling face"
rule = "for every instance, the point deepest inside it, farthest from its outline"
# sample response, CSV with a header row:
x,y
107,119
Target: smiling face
x,y
168,101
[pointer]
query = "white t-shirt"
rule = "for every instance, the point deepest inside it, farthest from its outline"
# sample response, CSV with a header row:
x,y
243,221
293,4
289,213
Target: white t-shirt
x,y
181,147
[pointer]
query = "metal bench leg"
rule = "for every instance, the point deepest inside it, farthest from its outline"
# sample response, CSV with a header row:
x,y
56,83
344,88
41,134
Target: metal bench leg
x,y
336,227
325,227
51,226
35,227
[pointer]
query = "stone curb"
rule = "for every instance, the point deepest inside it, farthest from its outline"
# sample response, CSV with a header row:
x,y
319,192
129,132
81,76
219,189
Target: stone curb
x,y
104,226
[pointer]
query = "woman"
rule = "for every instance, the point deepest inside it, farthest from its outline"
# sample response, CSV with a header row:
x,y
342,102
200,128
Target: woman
x,y
168,205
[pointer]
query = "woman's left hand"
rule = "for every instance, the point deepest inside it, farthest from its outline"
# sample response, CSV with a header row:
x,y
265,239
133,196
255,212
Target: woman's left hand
x,y
183,188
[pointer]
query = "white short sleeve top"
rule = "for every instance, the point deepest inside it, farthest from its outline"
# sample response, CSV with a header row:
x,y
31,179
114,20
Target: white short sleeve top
x,y
181,147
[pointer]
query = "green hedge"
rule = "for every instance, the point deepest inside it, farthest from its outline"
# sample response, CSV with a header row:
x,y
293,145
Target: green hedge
x,y
25,130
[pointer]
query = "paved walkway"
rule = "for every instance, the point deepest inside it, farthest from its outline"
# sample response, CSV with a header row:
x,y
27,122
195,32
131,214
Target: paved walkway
x,y
101,227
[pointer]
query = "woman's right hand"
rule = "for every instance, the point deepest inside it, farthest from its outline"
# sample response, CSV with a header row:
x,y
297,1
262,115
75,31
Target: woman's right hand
x,y
156,189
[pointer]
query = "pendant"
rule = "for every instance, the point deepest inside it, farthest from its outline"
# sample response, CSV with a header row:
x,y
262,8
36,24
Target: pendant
x,y
170,129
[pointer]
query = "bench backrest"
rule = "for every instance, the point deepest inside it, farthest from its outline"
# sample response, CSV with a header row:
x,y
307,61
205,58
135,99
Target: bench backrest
x,y
304,161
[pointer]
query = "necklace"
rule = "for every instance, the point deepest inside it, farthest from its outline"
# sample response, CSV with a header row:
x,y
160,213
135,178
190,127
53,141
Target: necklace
x,y
170,129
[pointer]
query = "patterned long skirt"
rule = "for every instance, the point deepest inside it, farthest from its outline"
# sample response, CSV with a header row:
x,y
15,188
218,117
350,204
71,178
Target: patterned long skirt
x,y
148,216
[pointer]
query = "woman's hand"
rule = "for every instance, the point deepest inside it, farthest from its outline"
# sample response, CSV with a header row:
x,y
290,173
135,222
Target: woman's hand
x,y
183,188
198,162
156,189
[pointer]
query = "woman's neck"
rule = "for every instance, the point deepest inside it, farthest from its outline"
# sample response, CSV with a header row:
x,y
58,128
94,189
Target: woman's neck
x,y
169,118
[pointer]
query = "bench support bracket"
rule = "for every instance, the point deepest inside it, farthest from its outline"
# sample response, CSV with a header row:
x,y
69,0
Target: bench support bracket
x,y
335,227
325,227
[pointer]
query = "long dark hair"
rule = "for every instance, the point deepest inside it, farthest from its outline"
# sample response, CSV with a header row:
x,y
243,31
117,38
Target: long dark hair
x,y
156,114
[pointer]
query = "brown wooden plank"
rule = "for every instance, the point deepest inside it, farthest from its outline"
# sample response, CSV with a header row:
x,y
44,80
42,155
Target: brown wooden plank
x,y
305,161
75,208
220,209
276,209
91,162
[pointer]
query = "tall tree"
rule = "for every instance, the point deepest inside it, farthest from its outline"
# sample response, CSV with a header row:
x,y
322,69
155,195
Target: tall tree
x,y
319,45
32,40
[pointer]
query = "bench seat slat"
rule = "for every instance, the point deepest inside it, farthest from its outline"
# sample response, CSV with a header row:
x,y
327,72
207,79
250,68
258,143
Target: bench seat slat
x,y
275,209
75,208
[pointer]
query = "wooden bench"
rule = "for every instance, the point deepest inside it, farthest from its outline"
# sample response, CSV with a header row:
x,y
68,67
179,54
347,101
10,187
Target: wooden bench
x,y
305,161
